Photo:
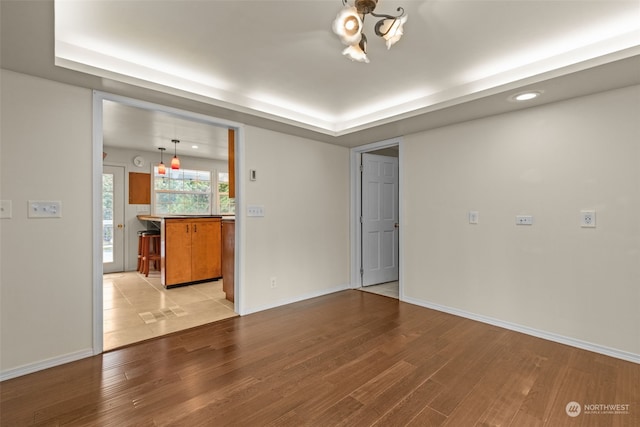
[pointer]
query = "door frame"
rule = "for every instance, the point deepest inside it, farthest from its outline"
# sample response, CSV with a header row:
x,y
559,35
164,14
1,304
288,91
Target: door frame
x,y
96,218
355,209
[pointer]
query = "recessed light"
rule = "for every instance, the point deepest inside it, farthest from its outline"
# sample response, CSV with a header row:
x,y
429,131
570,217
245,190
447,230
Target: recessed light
x,y
195,147
525,96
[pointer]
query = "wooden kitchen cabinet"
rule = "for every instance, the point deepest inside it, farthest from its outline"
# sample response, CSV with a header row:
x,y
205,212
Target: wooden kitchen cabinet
x,y
139,188
228,258
190,250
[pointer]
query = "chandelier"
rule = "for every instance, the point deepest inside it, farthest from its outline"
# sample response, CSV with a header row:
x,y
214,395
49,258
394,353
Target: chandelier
x,y
349,22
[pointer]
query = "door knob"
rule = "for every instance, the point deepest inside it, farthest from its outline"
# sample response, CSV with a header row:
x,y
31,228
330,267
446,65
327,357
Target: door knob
x,y
120,226
396,225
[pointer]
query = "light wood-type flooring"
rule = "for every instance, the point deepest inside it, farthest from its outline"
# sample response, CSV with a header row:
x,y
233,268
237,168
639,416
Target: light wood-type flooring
x,y
350,358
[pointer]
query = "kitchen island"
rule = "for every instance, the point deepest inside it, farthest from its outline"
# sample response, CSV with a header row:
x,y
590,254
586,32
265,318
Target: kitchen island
x,y
190,248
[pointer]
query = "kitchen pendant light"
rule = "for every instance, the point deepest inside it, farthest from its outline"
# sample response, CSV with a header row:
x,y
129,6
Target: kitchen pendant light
x,y
161,168
175,162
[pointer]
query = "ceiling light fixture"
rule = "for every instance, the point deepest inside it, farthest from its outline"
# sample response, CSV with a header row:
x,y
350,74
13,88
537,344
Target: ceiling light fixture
x,y
175,162
161,168
526,96
348,26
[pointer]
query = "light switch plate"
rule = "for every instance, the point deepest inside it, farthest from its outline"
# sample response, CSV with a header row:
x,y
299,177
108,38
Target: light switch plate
x,y
474,217
524,220
5,208
45,209
255,210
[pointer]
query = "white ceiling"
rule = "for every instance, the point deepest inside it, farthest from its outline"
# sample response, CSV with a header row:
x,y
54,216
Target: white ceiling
x,y
133,127
279,60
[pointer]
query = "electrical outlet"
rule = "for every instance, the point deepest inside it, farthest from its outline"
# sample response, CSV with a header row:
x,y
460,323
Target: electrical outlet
x,y
588,219
273,282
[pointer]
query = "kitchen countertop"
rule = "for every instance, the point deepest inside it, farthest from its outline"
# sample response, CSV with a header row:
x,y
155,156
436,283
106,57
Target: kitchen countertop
x,y
161,217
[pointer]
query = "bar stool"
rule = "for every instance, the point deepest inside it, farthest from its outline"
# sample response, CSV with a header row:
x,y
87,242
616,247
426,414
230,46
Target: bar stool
x,y
140,232
149,251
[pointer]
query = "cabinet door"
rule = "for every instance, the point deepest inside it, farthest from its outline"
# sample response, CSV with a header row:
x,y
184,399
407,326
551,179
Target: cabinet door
x,y
228,258
178,252
205,256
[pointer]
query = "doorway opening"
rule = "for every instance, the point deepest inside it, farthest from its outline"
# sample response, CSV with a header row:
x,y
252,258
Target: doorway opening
x,y
143,299
376,231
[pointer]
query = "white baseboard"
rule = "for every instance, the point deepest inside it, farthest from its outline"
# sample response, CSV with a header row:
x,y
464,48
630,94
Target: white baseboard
x,y
596,348
45,364
550,336
298,298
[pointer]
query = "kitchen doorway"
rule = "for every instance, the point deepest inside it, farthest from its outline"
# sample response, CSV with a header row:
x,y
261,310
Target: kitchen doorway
x,y
118,285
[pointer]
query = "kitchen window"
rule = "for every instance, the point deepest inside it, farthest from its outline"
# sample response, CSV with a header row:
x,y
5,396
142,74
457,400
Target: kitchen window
x,y
182,192
226,205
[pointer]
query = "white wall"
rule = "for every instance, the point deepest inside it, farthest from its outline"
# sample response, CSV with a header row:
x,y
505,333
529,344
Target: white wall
x,y
123,157
303,239
46,272
549,162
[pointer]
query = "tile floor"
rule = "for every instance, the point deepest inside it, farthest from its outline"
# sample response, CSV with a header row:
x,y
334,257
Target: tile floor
x,y
137,308
390,289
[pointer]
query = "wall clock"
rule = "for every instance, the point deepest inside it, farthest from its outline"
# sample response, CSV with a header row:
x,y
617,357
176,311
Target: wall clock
x,y
138,161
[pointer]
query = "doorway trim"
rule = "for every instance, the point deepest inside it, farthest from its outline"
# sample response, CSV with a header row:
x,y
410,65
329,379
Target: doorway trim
x,y
356,208
97,149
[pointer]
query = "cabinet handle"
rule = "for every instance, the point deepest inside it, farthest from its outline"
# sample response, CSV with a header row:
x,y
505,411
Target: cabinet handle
x,y
187,227
195,228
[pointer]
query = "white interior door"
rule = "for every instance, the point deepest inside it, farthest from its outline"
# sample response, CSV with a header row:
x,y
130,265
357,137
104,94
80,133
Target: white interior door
x,y
112,219
379,219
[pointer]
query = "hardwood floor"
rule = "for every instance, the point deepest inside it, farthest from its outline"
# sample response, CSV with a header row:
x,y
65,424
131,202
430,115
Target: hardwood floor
x,y
349,358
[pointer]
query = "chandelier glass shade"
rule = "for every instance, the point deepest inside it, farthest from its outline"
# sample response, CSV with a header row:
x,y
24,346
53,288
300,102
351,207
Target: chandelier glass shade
x,y
161,167
357,52
175,162
349,24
